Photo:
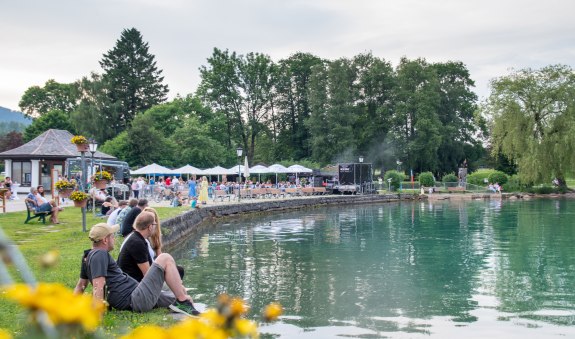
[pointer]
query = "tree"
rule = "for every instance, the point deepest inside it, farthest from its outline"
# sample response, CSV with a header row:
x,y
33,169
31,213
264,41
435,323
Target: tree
x,y
52,120
134,81
532,115
53,96
11,140
240,88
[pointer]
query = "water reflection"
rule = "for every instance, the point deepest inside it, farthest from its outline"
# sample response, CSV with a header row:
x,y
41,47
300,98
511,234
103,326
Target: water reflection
x,y
403,269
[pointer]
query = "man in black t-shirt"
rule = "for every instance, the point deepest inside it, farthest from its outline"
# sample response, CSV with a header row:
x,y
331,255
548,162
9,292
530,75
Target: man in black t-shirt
x,y
134,258
127,224
125,293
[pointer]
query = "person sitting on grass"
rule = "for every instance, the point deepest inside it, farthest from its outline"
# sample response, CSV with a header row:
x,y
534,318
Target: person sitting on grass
x,y
124,292
39,207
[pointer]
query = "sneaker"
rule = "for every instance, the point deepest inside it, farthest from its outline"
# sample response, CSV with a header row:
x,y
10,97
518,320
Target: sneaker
x,y
184,307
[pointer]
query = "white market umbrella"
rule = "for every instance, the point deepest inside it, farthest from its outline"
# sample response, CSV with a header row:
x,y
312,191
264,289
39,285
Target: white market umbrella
x,y
152,170
259,169
246,169
189,169
218,170
277,168
298,169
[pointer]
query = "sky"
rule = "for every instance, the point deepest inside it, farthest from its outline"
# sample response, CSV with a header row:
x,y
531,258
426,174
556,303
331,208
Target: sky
x,y
64,40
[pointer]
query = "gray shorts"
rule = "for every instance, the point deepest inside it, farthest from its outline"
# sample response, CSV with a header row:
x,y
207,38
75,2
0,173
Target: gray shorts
x,y
149,293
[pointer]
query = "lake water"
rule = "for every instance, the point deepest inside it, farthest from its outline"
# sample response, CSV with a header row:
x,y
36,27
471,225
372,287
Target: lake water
x,y
499,269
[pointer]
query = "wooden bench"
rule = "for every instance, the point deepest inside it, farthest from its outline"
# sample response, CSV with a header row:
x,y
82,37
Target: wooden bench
x,y
32,214
221,194
259,192
456,189
3,198
319,190
292,192
275,192
245,194
307,191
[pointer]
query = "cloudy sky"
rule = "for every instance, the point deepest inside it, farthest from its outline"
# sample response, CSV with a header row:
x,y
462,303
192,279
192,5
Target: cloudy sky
x,y
64,39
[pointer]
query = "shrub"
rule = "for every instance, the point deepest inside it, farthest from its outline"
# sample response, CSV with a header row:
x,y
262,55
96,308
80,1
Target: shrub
x,y
450,178
478,177
396,177
426,179
497,177
514,184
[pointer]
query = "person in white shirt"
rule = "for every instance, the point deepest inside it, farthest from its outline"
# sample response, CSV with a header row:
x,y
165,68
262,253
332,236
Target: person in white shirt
x,y
114,215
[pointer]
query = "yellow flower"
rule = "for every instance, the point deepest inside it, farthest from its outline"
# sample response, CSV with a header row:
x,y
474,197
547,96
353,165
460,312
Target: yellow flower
x,y
4,334
147,331
245,327
61,305
272,311
237,307
214,317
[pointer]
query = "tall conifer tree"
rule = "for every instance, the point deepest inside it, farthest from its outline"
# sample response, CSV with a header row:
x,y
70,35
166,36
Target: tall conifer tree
x,y
134,79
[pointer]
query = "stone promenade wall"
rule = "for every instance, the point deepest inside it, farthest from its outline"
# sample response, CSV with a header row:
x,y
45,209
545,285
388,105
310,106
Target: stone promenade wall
x,y
178,228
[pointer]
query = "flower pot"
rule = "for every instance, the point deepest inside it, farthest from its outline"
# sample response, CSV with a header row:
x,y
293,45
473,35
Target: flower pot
x,y
81,203
65,193
83,147
99,184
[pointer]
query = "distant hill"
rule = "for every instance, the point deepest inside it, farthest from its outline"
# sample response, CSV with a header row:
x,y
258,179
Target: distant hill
x,y
7,115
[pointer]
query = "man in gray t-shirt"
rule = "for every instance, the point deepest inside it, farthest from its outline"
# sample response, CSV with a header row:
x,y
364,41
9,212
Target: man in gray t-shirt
x,y
125,293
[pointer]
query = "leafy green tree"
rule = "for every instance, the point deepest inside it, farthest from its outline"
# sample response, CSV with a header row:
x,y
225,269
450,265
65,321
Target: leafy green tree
x,y
331,123
53,96
51,120
240,88
532,114
416,124
133,80
289,131
96,115
426,179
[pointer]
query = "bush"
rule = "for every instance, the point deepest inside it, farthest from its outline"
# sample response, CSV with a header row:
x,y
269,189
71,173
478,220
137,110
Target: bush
x,y
426,179
478,177
450,178
396,178
498,177
514,184
543,190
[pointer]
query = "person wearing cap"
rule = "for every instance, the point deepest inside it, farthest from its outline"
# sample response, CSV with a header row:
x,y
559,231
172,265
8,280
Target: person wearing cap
x,y
124,292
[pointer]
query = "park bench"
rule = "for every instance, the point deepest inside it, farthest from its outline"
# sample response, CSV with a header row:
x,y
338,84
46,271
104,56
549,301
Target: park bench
x,y
245,194
292,192
259,192
32,214
221,194
307,191
319,190
456,189
274,192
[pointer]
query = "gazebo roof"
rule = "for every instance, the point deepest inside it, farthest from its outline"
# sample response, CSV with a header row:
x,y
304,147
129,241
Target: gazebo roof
x,y
52,144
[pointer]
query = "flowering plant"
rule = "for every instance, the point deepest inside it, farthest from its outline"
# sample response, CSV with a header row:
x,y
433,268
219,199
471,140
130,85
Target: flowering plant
x,y
79,140
78,196
102,175
60,304
65,184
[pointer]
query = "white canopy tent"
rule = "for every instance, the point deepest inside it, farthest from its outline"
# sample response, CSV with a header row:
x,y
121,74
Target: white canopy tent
x,y
218,170
188,169
259,169
153,169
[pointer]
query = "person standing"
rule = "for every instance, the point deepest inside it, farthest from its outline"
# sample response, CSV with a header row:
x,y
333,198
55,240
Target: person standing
x,y
204,190
192,191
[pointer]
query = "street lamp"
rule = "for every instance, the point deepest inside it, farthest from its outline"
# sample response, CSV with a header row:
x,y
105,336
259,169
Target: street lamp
x,y
398,162
360,172
93,145
239,152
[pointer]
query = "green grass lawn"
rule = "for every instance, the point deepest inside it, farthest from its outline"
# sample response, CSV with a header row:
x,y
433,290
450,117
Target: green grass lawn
x,y
67,238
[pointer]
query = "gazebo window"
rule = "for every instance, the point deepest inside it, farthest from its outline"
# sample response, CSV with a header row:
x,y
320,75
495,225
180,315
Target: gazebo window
x,y
22,172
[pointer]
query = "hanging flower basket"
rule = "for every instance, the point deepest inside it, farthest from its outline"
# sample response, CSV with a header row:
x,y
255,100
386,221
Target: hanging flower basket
x,y
80,203
81,143
99,184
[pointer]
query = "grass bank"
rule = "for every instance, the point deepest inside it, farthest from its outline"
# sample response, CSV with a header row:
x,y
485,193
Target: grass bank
x,y
36,239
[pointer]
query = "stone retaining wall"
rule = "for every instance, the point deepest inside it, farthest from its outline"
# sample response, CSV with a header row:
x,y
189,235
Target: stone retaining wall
x,y
177,229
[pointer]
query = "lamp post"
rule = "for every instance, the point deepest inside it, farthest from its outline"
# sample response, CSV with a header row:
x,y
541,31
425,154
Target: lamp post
x,y
360,176
239,152
93,145
398,162
82,185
